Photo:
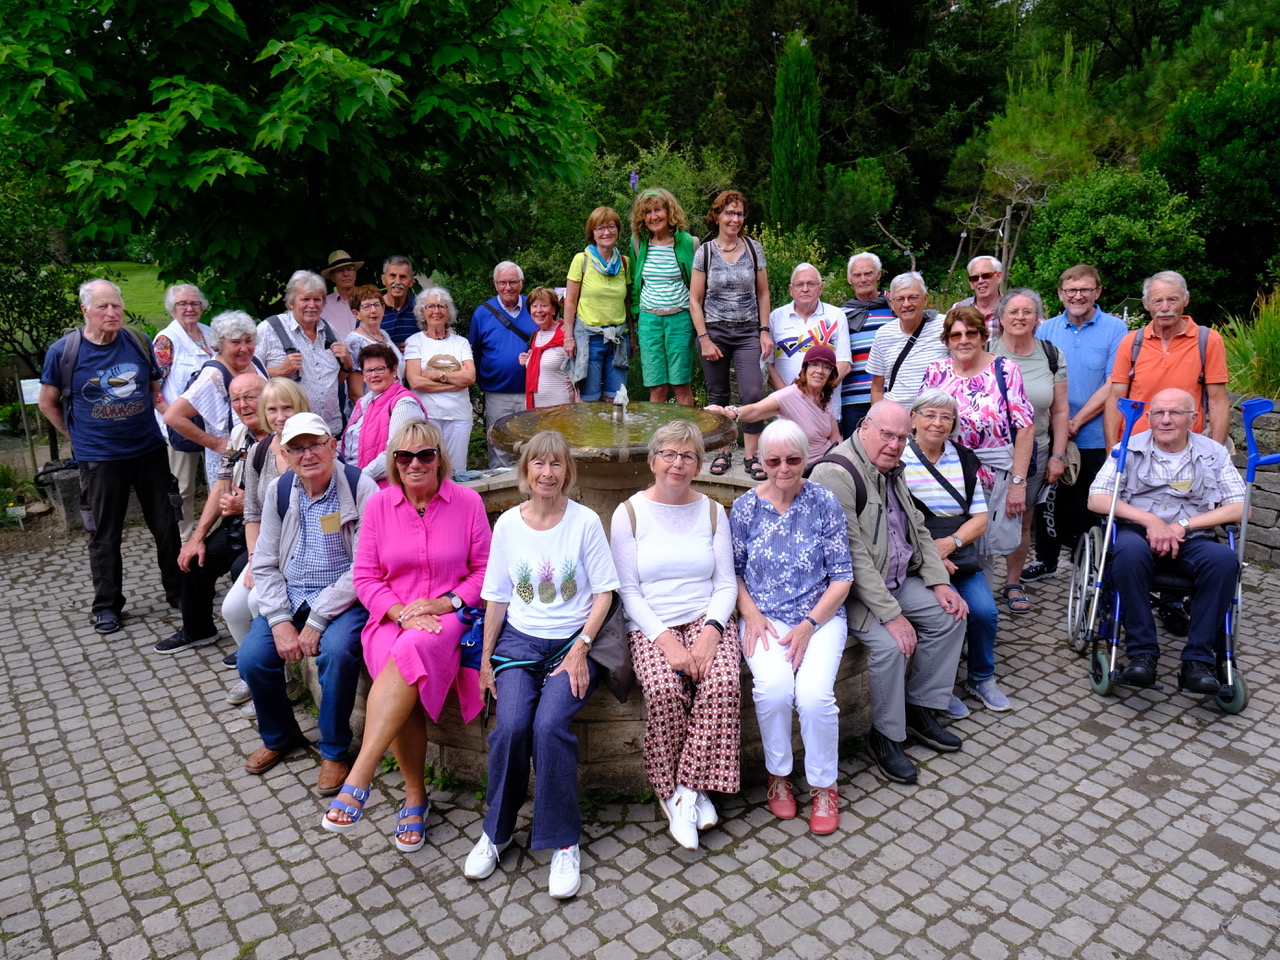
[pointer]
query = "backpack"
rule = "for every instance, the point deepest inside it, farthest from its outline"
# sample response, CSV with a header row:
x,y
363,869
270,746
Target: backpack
x,y
286,483
71,353
1204,344
859,485
183,444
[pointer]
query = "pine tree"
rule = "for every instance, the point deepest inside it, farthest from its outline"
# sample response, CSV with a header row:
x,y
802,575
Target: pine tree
x,y
794,194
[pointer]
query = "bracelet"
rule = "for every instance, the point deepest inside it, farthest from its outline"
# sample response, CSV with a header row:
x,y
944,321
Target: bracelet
x,y
703,336
714,623
735,413
1058,456
815,623
766,330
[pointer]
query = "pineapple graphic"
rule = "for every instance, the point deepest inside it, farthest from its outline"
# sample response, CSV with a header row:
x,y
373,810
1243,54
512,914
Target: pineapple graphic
x,y
524,589
546,581
568,579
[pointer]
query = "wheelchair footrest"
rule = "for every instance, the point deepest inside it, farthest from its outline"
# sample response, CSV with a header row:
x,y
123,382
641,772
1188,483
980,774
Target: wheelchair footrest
x,y
1117,678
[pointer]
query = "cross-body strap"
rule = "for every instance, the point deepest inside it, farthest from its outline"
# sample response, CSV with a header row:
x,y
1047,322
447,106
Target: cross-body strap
x,y
897,364
859,485
937,475
506,322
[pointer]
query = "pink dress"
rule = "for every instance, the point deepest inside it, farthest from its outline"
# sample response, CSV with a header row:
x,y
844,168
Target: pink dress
x,y
402,557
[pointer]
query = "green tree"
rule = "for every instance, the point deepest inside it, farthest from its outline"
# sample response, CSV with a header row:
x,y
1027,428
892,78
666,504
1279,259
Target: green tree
x,y
793,193
252,138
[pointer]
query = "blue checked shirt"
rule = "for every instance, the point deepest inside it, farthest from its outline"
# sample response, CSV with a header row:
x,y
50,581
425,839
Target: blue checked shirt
x,y
318,558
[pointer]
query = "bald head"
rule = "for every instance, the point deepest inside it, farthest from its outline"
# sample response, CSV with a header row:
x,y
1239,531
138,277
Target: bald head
x,y
1170,415
884,433
244,391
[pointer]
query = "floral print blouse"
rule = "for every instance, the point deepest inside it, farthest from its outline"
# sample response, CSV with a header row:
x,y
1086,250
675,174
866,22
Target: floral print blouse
x,y
984,419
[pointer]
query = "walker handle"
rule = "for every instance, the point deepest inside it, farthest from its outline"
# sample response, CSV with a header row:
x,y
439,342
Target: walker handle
x,y
1251,410
1131,410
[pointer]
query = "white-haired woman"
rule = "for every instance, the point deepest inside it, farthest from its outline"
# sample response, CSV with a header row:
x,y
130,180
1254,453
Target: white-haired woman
x,y
299,345
180,349
233,335
440,369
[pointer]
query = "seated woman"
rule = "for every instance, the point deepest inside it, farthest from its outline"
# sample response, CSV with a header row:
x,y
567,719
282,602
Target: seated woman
x,y
943,479
546,382
384,407
547,591
675,562
791,554
806,402
424,544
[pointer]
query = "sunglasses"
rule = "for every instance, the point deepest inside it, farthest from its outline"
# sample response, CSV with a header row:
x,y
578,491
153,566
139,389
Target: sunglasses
x,y
774,462
425,455
975,277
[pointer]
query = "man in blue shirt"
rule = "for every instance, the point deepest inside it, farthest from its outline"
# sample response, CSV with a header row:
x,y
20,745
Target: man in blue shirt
x,y
500,331
1088,339
107,410
398,321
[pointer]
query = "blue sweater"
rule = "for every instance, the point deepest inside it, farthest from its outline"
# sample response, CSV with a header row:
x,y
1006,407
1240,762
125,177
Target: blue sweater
x,y
497,350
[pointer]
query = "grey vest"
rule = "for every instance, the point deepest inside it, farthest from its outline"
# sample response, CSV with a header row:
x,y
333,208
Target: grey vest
x,y
1155,496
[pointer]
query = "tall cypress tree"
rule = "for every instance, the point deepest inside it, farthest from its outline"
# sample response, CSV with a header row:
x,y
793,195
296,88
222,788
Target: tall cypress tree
x,y
794,193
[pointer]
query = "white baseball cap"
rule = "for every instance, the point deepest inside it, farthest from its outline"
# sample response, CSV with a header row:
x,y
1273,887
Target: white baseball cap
x,y
304,425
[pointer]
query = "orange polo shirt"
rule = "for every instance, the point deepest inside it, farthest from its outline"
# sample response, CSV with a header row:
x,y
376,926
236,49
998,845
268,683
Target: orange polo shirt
x,y
1178,366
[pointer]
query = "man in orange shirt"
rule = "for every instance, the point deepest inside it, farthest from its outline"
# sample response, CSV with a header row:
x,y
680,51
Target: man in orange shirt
x,y
1171,356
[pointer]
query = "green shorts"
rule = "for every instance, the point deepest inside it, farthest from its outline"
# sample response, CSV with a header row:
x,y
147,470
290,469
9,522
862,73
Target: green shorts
x,y
666,348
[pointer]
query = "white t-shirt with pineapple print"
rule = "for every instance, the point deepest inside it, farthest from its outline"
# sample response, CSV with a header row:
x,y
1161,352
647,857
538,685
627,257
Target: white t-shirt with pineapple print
x,y
547,577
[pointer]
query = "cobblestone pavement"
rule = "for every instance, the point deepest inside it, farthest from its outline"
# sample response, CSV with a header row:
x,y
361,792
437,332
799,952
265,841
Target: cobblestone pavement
x,y
1076,826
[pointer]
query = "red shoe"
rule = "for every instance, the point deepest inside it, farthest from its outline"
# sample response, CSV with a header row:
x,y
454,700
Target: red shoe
x,y
782,799
825,815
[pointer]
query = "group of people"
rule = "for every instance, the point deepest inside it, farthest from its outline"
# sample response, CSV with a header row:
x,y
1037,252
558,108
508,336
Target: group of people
x,y
907,448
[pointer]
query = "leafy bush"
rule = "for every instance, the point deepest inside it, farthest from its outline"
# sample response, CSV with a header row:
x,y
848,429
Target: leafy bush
x,y
784,250
1253,349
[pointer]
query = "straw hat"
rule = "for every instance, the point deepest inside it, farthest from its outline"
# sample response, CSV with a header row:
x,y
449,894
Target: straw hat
x,y
337,260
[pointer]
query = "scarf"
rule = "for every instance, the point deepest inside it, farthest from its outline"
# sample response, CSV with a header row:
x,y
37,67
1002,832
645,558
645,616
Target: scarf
x,y
375,429
534,366
609,269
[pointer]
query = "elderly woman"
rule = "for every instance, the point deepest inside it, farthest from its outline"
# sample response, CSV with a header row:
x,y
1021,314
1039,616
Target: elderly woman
x,y
424,544
299,345
547,591
367,309
901,352
729,302
791,555
180,350
675,562
995,422
546,382
806,402
381,412
663,250
203,412
1044,377
440,369
943,479
595,302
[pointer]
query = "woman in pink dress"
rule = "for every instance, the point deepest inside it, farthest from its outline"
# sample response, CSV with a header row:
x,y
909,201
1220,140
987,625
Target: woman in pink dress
x,y
424,546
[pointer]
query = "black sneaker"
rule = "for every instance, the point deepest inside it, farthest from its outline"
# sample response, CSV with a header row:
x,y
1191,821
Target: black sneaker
x,y
229,661
180,641
1038,570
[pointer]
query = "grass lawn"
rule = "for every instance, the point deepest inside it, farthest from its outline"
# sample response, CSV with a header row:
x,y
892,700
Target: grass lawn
x,y
143,292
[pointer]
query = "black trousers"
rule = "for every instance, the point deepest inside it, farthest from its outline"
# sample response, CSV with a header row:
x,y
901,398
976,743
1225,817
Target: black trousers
x,y
104,490
224,552
1065,514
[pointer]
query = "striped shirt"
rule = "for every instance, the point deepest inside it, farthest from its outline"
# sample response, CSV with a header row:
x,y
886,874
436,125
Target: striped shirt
x,y
889,343
318,558
663,287
931,493
855,388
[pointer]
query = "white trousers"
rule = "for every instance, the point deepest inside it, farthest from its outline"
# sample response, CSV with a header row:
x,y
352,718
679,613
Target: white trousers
x,y
240,607
809,691
457,438
184,466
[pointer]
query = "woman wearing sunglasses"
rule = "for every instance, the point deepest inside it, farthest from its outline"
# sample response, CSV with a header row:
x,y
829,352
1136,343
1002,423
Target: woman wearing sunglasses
x,y
675,562
791,555
424,544
383,409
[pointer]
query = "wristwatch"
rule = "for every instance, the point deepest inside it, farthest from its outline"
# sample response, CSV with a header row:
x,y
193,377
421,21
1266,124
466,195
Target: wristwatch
x,y
1017,481
959,542
1058,456
714,623
455,600
586,639
1185,524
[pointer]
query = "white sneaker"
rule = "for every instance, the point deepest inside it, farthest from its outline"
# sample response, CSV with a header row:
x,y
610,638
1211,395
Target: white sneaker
x,y
239,694
483,858
566,876
249,710
682,815
707,816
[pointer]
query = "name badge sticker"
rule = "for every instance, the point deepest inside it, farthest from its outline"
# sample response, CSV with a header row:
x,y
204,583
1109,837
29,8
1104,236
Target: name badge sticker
x,y
331,522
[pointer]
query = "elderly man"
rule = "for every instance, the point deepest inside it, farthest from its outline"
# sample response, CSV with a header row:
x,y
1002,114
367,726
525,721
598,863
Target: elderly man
x,y
398,320
299,345
901,352
986,274
1088,339
865,312
902,605
803,323
1170,351
1177,486
500,331
217,544
100,387
302,572
341,272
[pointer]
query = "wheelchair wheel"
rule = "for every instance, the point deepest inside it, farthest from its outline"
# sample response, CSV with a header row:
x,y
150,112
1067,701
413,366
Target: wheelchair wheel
x,y
1234,704
1084,573
1100,673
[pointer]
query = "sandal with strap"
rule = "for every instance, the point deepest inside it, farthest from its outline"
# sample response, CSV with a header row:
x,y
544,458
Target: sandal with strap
x,y
752,466
1015,598
355,813
720,464
403,828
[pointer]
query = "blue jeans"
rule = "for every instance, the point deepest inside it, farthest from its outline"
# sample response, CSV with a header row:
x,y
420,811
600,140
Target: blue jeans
x,y
601,372
984,620
338,664
533,725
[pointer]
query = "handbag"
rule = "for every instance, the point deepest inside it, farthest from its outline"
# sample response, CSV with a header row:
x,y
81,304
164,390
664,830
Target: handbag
x,y
472,639
612,653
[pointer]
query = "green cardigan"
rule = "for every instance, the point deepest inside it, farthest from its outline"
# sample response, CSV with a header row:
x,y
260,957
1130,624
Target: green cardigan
x,y
684,256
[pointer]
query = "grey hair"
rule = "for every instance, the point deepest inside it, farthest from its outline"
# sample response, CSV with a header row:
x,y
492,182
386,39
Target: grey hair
x,y
434,293
171,296
303,281
910,278
865,255
86,291
677,431
397,260
936,397
782,435
1034,297
996,265
805,266
1167,276
508,263
232,325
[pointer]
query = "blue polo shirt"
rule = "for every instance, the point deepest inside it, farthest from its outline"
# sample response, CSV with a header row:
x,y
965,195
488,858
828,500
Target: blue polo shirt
x,y
1090,350
400,324
496,349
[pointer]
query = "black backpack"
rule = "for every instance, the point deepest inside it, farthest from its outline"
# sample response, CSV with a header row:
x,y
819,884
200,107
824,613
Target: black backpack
x,y
181,443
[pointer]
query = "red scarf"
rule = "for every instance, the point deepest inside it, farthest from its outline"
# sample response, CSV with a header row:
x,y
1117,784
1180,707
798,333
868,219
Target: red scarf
x,y
374,433
534,367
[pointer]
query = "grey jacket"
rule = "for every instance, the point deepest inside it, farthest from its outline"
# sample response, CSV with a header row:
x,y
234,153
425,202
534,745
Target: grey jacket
x,y
1155,496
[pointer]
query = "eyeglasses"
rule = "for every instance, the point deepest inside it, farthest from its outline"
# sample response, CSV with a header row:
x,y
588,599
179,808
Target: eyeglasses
x,y
888,436
1077,293
1169,414
373,305
929,416
975,277
426,455
368,370
1165,302
806,284
964,335
670,456
773,463
312,448
732,214
189,304
907,298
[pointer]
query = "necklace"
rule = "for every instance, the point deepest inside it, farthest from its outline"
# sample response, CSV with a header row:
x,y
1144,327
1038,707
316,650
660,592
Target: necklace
x,y
737,240
421,510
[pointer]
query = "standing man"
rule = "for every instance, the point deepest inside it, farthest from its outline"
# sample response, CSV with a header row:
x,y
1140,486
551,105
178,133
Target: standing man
x,y
866,312
803,323
398,321
99,388
1088,339
341,272
500,331
986,274
902,605
901,352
